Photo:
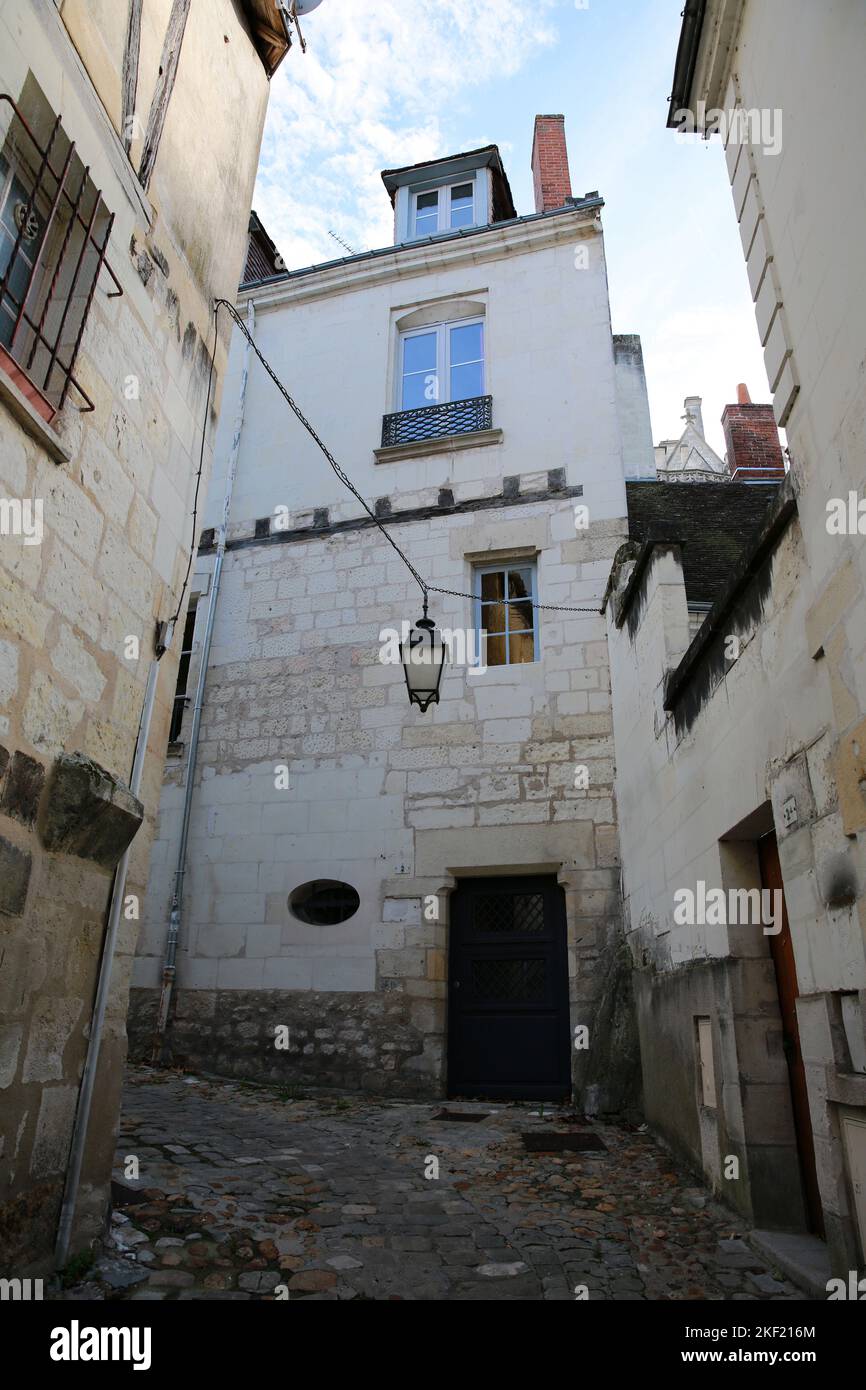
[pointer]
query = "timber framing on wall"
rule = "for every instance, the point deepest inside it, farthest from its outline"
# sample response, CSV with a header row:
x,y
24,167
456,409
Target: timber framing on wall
x,y
164,86
130,73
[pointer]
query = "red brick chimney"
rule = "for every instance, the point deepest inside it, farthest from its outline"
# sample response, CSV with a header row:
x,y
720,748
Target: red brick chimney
x,y
550,174
752,437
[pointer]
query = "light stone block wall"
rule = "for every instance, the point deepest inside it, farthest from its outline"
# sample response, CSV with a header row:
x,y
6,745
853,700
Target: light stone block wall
x,y
692,802
331,336
798,66
805,268
639,459
398,804
118,527
395,803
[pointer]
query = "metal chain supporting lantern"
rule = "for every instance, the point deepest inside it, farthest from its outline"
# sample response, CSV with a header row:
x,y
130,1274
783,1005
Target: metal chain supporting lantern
x,y
423,656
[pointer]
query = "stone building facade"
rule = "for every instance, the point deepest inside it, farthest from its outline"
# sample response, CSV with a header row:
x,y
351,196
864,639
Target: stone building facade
x,y
748,736
497,800
132,215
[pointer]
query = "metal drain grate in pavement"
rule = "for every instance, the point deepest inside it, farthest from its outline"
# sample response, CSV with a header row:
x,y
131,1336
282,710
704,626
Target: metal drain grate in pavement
x,y
547,1143
461,1116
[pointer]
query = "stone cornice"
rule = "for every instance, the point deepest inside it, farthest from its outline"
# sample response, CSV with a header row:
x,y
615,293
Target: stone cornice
x,y
494,243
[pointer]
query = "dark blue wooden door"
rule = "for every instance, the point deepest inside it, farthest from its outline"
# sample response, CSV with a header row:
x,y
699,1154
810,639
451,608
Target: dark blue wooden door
x,y
508,1030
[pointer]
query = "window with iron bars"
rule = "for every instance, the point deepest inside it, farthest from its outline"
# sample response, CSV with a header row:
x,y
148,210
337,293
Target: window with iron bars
x,y
181,699
54,232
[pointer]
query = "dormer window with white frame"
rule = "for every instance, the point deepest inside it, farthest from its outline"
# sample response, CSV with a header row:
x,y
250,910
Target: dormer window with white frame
x,y
443,197
444,209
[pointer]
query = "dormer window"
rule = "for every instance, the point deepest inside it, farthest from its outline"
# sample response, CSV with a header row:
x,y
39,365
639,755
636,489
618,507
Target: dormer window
x,y
445,196
444,209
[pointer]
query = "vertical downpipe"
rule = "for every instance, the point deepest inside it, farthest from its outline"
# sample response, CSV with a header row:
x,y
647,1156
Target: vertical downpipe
x,y
88,1080
169,968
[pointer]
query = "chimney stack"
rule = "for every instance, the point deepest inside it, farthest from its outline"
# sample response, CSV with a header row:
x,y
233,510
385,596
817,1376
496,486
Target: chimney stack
x,y
752,437
551,178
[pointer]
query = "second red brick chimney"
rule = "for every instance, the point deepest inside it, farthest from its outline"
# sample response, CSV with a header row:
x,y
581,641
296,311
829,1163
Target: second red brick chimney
x,y
752,437
550,174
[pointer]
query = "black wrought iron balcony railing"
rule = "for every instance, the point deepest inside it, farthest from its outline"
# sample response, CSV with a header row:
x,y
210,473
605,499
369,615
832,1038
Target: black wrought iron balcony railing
x,y
437,421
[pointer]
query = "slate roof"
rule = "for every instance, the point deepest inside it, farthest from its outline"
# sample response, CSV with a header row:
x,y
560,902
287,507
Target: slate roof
x,y
712,522
262,254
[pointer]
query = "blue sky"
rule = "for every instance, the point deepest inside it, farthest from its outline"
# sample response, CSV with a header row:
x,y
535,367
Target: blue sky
x,y
389,82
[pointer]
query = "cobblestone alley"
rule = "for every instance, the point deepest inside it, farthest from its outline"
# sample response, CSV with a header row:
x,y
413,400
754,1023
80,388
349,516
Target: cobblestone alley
x,y
249,1193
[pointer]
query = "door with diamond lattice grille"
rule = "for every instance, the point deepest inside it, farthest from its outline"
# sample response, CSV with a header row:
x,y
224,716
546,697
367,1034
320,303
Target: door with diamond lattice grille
x,y
508,1033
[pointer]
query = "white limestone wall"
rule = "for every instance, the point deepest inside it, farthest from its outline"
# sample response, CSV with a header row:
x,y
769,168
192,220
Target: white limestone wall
x,y
799,194
394,802
332,338
690,808
639,459
763,736
116,485
373,782
799,66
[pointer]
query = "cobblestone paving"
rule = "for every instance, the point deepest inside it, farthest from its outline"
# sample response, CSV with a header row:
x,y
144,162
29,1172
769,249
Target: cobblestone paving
x,y
245,1189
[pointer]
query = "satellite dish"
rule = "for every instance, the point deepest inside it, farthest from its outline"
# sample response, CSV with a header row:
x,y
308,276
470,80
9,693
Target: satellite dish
x,y
303,7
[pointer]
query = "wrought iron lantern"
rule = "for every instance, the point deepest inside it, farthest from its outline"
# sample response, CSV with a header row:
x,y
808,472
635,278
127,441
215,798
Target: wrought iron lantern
x,y
423,656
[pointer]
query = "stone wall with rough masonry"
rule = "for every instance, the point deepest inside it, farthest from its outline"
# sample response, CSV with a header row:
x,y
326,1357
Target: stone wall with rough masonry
x,y
395,803
116,487
745,752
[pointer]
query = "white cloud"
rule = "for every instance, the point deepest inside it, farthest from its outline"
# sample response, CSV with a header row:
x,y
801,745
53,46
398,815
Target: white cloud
x,y
378,88
386,83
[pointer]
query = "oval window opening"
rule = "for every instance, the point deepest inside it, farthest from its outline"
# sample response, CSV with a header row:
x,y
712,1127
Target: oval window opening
x,y
324,902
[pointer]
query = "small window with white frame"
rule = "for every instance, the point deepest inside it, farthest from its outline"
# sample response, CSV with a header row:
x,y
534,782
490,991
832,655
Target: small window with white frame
x,y
504,599
444,209
442,362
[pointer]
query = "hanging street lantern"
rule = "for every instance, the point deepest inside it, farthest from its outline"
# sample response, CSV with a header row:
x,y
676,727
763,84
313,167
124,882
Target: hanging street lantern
x,y
423,656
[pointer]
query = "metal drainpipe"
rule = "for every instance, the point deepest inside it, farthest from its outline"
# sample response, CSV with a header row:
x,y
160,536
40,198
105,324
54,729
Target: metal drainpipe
x,y
169,968
97,1022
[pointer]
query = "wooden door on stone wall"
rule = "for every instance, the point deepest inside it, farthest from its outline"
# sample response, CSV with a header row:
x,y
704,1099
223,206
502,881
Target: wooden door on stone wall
x,y
782,951
508,1028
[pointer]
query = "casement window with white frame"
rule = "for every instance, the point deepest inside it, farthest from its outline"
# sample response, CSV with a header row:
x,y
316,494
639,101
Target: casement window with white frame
x,y
504,598
444,209
440,363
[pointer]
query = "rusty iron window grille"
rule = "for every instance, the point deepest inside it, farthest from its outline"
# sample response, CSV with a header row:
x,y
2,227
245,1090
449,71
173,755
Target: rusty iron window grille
x,y
437,421
54,233
181,699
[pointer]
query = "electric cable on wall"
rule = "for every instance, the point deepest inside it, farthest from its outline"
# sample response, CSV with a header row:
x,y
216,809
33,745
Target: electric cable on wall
x,y
426,588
